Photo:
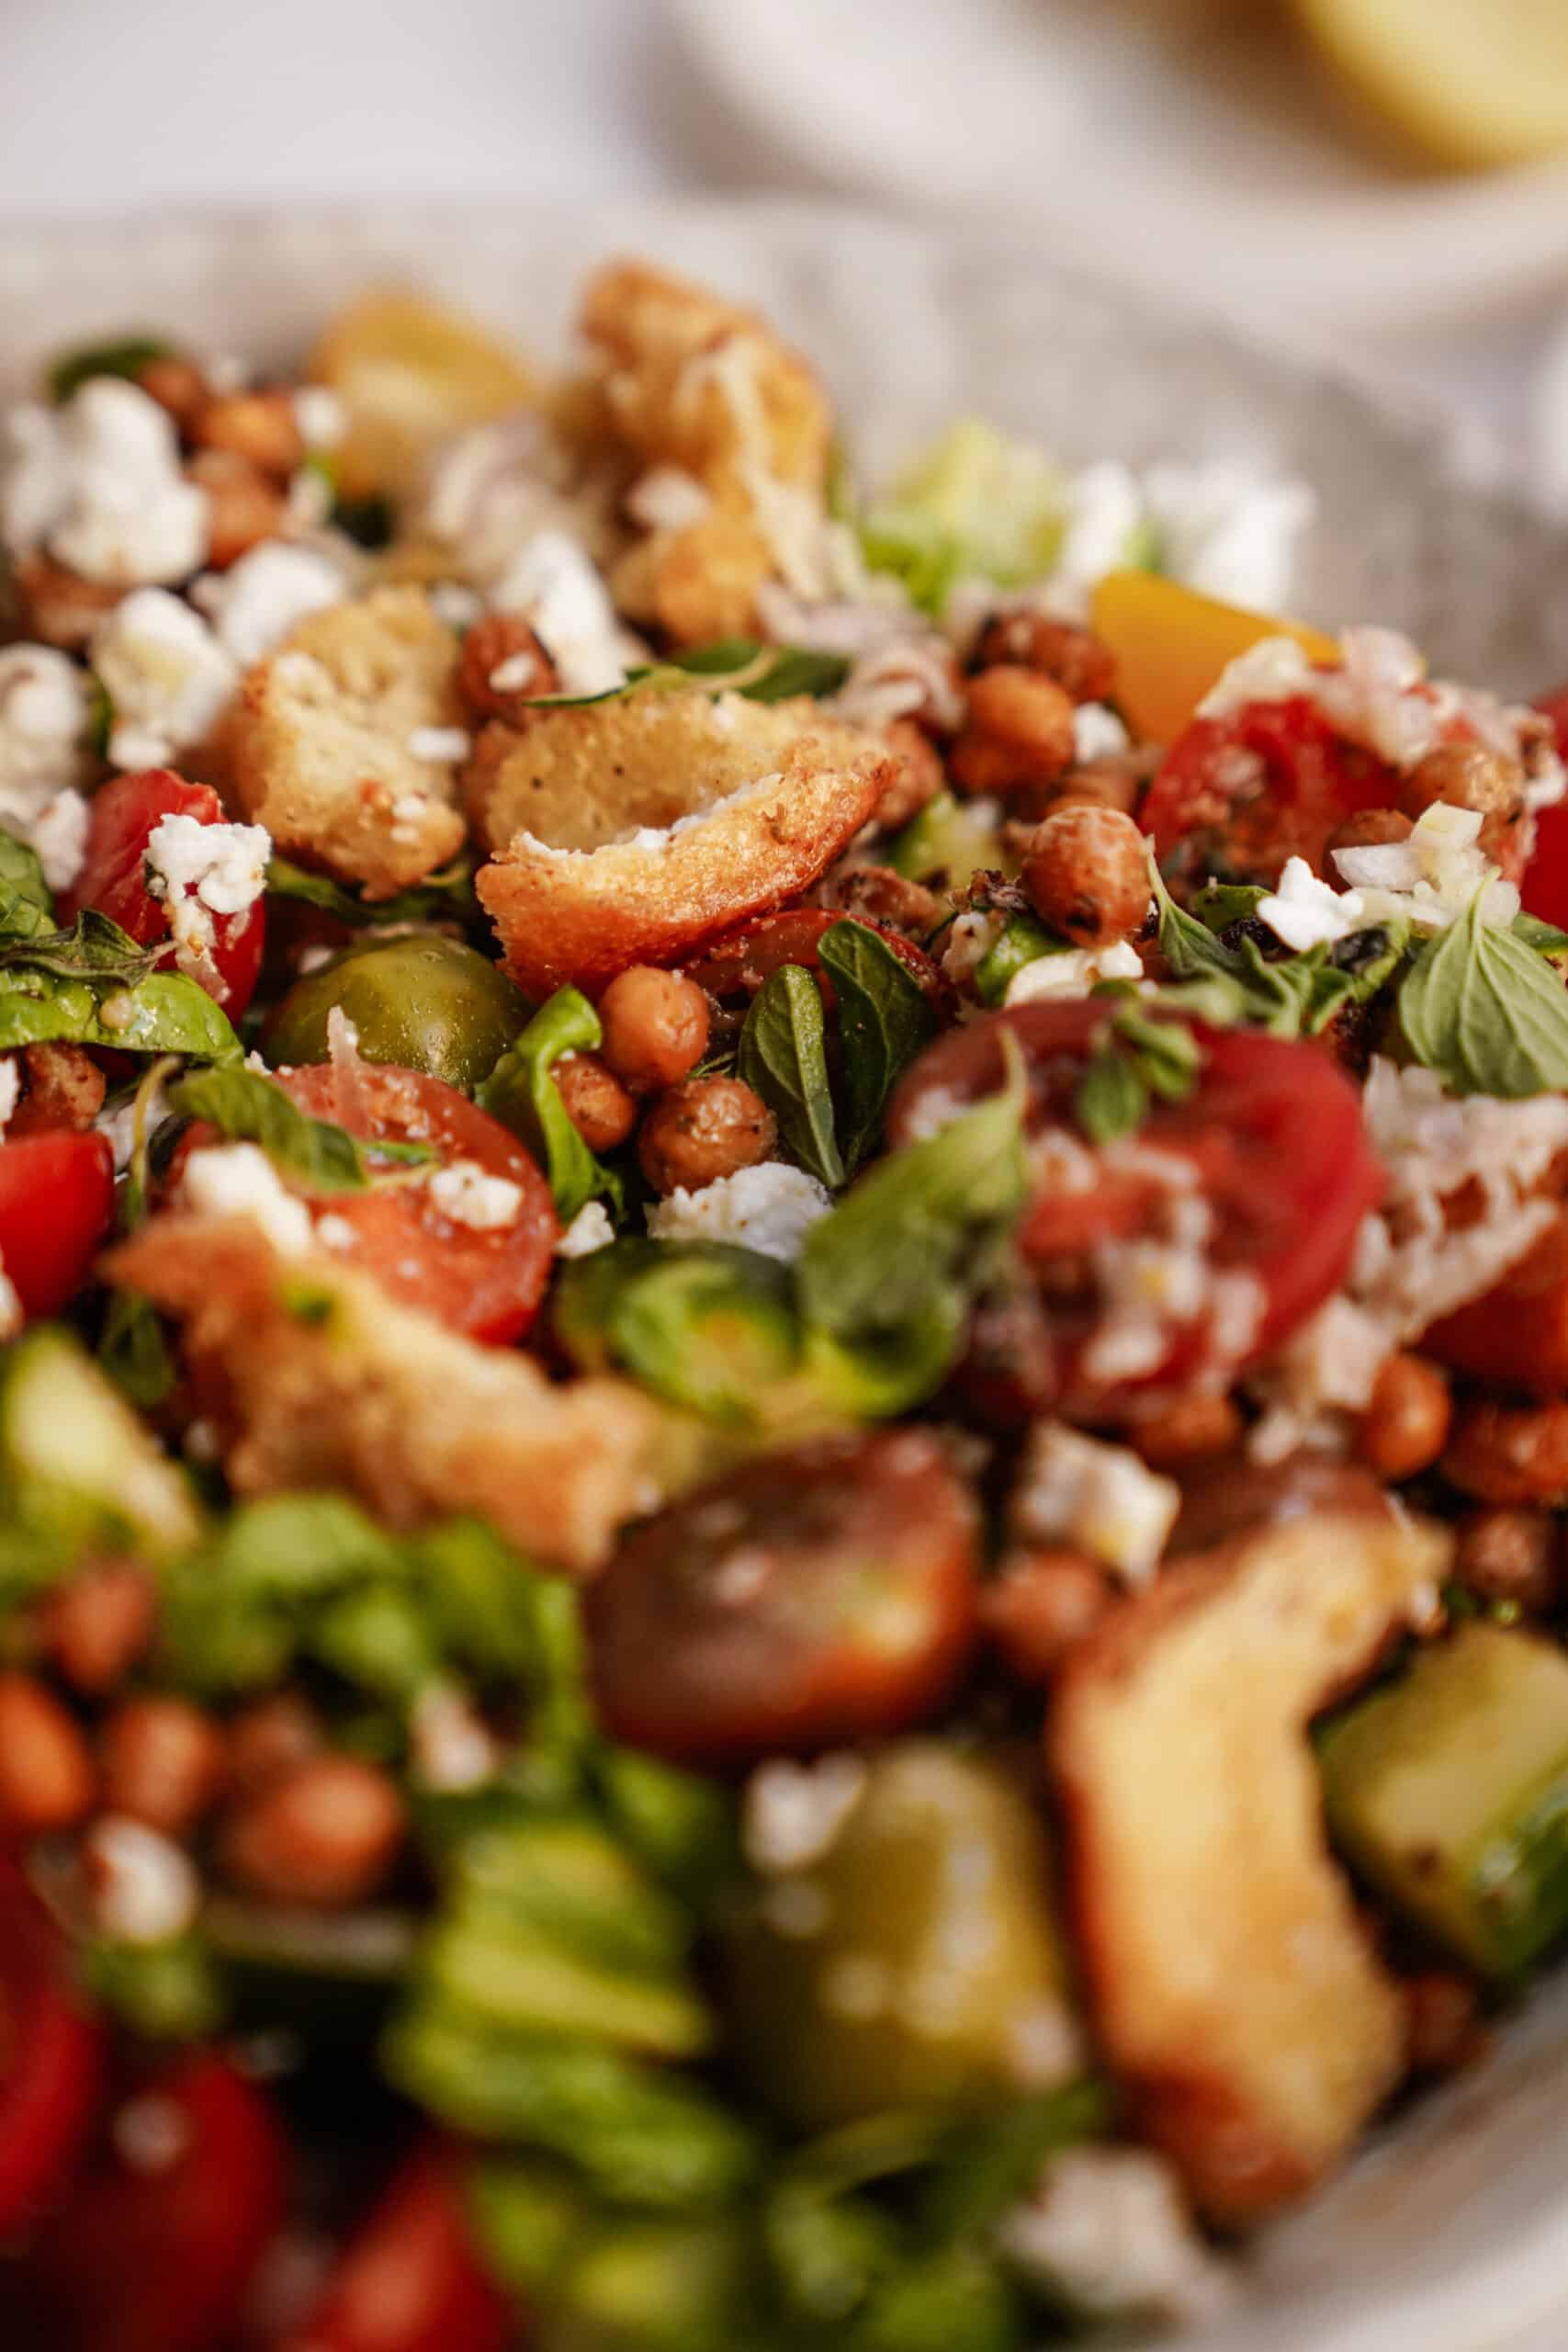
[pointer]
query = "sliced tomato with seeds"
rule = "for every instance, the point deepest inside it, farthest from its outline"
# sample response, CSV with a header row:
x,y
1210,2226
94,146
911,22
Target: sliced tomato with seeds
x,y
112,880
56,1206
412,2279
821,1594
733,969
1545,884
51,2057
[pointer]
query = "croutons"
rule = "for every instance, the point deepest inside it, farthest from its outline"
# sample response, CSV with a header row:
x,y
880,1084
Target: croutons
x,y
630,832
1234,1993
336,742
324,1381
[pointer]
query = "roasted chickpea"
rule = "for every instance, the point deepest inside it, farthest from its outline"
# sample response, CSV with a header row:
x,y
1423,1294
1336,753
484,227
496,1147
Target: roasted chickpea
x,y
877,894
1087,874
1073,657
1406,1425
1443,2028
160,1761
177,385
1468,775
243,506
656,1028
98,1624
1196,1428
1098,784
919,777
1510,1555
56,607
1040,1606
64,1090
1372,828
1510,1454
261,427
596,1102
702,1129
326,1833
503,666
1019,733
47,1779
270,1738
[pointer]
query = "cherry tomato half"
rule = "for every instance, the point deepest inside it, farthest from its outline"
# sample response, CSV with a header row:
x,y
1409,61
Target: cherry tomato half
x,y
51,2057
411,2281
734,968
1284,1175
157,2247
821,1594
113,878
1237,797
56,1204
1545,886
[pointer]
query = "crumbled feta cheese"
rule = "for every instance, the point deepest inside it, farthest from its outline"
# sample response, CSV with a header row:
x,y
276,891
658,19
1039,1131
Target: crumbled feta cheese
x,y
10,1089
1105,2230
1305,913
239,1179
144,1888
334,1232
791,1814
98,484
46,731
59,837
555,585
440,743
198,871
496,487
165,674
1098,733
470,1195
589,1229
666,498
1100,1498
320,415
969,939
1074,972
450,1746
935,1110
770,1208
1430,877
254,604
1104,512
458,606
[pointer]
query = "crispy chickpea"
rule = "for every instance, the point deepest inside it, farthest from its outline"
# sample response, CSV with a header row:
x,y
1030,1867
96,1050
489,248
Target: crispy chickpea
x,y
656,1028
1468,775
1442,2022
261,427
596,1102
878,894
270,1738
243,506
47,1779
1087,874
1099,784
503,666
1510,1454
919,775
162,1763
1196,1428
1406,1425
1073,657
177,385
702,1129
327,1833
1019,733
1510,1555
97,1625
58,606
1040,1606
64,1090
1372,828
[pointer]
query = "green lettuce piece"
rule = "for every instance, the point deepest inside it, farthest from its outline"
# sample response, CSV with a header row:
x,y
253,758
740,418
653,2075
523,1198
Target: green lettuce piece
x,y
980,503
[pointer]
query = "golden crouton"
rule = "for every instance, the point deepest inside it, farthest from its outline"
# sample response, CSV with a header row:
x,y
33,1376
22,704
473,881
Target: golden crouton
x,y
318,1378
325,742
1232,1989
631,831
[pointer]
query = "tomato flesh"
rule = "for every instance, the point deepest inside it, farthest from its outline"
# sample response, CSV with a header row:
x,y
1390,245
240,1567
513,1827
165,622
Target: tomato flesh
x,y
113,877
1545,884
51,2057
1235,798
822,1594
56,1206
733,969
411,2281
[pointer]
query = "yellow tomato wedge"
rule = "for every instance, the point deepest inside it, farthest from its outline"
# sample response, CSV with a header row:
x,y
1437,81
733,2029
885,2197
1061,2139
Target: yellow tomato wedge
x,y
1172,645
1475,82
409,374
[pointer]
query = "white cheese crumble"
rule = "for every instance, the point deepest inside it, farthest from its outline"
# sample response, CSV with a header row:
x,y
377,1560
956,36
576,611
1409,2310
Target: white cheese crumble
x,y
10,1089
144,1889
1106,2231
1098,1498
239,1179
458,606
1098,733
554,583
165,674
257,602
197,871
1074,972
589,1229
1305,913
59,838
450,1745
439,744
320,415
98,484
494,488
46,731
770,1208
791,1814
334,1232
667,498
969,939
13,1314
1430,877
468,1194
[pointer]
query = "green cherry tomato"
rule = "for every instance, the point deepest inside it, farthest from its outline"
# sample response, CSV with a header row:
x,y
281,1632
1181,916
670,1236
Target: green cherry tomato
x,y
422,1001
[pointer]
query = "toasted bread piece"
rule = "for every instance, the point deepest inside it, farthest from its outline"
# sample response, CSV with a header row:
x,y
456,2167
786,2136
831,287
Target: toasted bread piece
x,y
1234,1990
319,1379
324,744
631,831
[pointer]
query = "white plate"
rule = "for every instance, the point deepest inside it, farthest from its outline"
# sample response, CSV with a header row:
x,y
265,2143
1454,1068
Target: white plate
x,y
1450,2234
1140,136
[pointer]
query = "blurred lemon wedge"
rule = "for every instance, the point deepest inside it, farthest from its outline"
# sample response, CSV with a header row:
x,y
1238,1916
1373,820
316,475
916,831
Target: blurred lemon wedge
x,y
1475,82
409,374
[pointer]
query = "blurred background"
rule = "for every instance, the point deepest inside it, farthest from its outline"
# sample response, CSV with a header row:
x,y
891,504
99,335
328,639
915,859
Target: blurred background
x,y
1378,178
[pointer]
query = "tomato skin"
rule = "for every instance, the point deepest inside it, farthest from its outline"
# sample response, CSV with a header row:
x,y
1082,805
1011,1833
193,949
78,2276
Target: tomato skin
x,y
735,966
1237,797
821,1594
411,2279
53,2071
1545,884
124,816
56,1206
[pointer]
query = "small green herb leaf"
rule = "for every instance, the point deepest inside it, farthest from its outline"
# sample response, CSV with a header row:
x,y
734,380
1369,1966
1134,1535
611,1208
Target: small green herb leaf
x,y
783,1058
246,1106
1109,1100
27,909
522,1093
1544,937
1484,1009
885,1018
93,986
125,357
447,896
737,665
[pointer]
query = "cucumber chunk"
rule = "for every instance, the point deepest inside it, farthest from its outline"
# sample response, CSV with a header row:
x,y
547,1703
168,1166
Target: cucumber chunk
x,y
68,1438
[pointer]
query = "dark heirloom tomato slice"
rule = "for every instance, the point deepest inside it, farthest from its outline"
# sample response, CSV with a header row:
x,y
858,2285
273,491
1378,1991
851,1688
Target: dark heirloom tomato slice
x,y
734,968
51,2057
824,1593
56,1203
485,1283
113,880
1237,797
1545,886
1273,1130
411,2279
157,2247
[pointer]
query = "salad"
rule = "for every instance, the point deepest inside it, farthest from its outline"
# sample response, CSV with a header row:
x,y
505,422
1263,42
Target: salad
x,y
783,1410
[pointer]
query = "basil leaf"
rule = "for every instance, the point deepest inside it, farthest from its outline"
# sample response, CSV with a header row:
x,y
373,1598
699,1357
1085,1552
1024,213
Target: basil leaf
x,y
1188,946
1544,937
131,1347
797,670
783,1058
92,986
246,1106
27,909
1111,1099
448,895
1219,904
521,1092
1486,1012
126,356
884,1019
92,948
738,665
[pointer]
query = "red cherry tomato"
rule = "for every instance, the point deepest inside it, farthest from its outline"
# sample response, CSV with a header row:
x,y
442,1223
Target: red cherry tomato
x,y
411,2281
112,880
734,968
821,1594
51,2057
157,2247
1545,886
1237,797
56,1204
1284,1175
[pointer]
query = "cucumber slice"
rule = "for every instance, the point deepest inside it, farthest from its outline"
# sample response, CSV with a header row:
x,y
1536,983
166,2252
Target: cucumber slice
x,y
67,1437
949,840
1450,1790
